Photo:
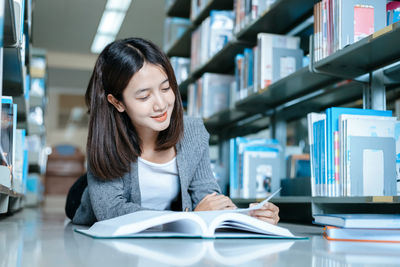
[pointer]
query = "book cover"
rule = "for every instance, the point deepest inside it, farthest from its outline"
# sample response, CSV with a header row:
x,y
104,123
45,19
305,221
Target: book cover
x,y
362,235
373,221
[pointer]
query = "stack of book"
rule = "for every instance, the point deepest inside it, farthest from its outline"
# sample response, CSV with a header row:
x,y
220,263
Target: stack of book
x,y
247,11
174,28
338,23
360,227
209,95
210,37
353,152
274,57
181,66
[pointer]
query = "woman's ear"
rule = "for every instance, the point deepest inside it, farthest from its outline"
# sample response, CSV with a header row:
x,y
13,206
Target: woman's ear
x,y
117,104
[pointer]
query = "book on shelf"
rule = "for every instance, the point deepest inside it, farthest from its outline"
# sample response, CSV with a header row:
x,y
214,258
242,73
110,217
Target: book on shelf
x,y
19,178
339,23
209,94
279,56
174,28
8,136
361,234
255,169
210,37
247,11
181,66
363,221
203,224
393,12
368,151
221,26
345,141
298,165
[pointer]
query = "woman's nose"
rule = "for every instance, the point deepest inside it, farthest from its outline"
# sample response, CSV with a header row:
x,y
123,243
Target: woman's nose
x,y
160,103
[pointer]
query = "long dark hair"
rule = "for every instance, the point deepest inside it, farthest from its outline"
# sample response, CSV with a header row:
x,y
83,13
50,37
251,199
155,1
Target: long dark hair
x,y
113,142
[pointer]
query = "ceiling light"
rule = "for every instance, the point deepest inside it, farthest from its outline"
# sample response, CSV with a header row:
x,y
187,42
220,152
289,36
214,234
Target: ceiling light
x,y
111,22
118,4
100,41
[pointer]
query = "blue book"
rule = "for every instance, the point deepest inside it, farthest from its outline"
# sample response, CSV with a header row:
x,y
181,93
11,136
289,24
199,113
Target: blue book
x,y
233,175
332,119
248,54
388,221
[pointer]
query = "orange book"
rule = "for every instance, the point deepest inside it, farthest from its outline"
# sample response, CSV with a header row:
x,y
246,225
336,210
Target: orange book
x,y
361,234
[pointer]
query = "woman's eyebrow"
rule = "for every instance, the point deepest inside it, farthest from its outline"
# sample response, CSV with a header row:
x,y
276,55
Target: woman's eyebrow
x,y
166,80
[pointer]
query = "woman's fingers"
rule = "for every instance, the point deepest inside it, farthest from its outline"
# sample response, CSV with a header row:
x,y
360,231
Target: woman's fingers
x,y
268,213
215,202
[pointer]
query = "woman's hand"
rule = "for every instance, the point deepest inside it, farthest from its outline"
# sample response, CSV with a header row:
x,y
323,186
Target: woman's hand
x,y
268,213
215,202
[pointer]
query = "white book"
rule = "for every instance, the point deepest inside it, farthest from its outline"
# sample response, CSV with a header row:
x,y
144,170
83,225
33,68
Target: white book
x,y
203,224
373,174
266,43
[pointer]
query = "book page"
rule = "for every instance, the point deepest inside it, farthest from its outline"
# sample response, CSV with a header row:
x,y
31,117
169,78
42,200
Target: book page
x,y
156,223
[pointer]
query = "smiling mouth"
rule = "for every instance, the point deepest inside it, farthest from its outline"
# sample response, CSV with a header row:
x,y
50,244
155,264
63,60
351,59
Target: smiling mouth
x,y
161,117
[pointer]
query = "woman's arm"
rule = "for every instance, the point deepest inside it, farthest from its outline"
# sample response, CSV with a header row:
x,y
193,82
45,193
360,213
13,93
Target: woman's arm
x,y
108,199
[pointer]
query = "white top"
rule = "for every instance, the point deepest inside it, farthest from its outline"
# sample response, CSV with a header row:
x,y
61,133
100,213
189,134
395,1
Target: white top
x,y
159,183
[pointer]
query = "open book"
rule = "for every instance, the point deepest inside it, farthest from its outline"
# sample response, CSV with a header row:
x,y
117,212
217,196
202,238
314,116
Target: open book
x,y
203,224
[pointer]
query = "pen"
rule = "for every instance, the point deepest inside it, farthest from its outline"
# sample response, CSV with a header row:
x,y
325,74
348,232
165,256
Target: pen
x,y
259,205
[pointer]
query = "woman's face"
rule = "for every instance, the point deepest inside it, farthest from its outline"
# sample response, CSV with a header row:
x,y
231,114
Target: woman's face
x,y
148,99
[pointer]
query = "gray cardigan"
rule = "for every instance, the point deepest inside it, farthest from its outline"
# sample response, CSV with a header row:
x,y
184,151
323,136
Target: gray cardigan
x,y
103,200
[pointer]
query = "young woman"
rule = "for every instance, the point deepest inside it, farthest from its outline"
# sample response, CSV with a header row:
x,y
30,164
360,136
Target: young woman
x,y
142,153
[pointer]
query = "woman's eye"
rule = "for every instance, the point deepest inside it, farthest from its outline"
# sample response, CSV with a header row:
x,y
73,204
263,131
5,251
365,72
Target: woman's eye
x,y
166,89
144,98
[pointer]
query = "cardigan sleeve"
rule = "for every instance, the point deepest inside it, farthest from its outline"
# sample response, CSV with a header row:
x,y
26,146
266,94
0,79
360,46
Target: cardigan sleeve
x,y
203,181
108,198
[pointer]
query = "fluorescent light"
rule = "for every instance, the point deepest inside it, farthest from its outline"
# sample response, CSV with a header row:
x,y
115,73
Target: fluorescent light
x,y
111,22
122,5
100,41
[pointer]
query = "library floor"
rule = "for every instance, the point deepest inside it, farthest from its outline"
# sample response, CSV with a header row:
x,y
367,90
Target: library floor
x,y
44,237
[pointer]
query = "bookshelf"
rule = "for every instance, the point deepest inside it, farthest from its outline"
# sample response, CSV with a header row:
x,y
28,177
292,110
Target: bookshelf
x,y
362,57
181,47
359,74
15,66
221,62
9,37
13,74
211,5
293,12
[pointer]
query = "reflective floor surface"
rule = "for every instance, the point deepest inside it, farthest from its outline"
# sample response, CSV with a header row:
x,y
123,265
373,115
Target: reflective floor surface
x,y
34,237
